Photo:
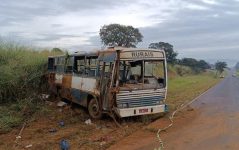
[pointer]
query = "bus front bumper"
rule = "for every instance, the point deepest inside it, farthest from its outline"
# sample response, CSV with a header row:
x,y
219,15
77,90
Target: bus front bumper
x,y
126,112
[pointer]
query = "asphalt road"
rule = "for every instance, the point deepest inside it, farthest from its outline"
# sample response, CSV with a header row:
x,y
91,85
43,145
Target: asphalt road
x,y
215,127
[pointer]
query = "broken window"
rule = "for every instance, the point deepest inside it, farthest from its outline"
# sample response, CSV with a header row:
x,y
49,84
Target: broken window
x,y
130,72
147,74
79,65
69,64
59,64
154,73
50,65
91,65
86,66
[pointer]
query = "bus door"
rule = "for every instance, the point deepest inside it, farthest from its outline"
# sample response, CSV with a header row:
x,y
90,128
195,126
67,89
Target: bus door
x,y
106,64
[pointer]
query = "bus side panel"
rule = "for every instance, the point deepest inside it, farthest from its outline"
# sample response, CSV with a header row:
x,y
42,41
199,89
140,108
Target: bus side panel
x,y
88,85
66,81
79,97
74,95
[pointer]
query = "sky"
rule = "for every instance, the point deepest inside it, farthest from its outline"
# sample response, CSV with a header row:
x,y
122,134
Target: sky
x,y
202,29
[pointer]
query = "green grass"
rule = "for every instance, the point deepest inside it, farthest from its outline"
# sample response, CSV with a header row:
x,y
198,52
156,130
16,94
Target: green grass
x,y
16,113
21,72
21,69
183,89
9,119
237,73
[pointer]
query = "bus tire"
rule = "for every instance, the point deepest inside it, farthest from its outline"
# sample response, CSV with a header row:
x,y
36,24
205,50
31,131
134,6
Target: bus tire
x,y
94,109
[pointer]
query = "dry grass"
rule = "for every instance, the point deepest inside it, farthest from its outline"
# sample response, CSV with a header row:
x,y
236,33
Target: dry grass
x,y
21,78
21,70
184,89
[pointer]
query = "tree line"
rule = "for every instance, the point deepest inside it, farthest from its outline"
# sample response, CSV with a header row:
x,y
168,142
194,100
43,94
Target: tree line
x,y
128,36
237,66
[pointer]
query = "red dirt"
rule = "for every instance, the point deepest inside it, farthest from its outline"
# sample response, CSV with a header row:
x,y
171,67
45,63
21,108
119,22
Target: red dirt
x,y
141,139
99,135
212,124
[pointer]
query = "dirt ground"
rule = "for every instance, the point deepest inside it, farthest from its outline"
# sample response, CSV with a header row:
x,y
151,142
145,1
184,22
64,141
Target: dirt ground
x,y
46,132
148,134
210,123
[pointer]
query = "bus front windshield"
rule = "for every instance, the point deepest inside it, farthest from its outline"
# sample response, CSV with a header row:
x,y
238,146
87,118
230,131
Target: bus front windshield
x,y
142,73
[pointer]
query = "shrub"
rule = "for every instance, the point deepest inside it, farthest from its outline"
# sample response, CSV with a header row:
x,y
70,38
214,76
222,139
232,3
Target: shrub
x,y
21,69
183,70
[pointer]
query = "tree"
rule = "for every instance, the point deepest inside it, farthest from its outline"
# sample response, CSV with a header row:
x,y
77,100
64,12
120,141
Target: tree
x,y
195,65
237,66
203,65
190,62
220,66
120,35
168,48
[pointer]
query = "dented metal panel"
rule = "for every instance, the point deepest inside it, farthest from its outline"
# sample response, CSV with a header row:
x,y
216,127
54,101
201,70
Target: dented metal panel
x,y
66,81
79,97
107,56
85,84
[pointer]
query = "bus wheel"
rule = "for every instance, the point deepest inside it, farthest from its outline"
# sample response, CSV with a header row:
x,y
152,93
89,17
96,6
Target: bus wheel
x,y
94,109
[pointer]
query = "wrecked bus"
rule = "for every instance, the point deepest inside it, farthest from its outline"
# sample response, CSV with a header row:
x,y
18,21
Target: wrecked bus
x,y
123,81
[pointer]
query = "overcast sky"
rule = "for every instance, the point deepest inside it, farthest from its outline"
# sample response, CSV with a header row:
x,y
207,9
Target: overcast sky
x,y
203,29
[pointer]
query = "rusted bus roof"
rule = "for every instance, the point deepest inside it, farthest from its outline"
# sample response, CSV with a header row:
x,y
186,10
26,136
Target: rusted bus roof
x,y
107,56
56,56
91,53
95,53
110,52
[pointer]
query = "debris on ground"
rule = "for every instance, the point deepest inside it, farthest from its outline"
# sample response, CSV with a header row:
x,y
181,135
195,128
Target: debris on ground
x,y
80,131
64,145
61,104
20,133
28,146
44,96
49,103
102,143
53,130
62,123
88,122
190,108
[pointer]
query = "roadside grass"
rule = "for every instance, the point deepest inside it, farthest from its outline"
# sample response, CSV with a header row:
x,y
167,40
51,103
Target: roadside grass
x,y
16,113
178,70
183,89
237,73
21,82
22,69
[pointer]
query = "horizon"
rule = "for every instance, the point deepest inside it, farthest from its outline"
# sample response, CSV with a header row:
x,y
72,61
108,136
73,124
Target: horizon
x,y
201,29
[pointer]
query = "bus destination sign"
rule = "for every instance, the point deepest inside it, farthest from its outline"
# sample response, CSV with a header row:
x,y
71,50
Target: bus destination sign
x,y
141,55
